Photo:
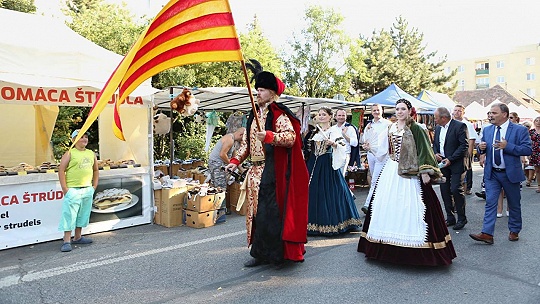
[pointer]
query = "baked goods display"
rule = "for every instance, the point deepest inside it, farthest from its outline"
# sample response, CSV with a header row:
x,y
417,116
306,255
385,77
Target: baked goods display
x,y
20,168
108,163
48,166
111,198
51,167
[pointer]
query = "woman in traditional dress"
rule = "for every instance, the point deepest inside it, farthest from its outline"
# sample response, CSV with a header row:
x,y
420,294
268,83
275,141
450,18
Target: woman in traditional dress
x,y
405,223
534,159
331,208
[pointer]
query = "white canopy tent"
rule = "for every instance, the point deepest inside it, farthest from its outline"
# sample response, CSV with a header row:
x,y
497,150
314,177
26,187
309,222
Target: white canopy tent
x,y
525,112
231,99
40,51
44,65
439,99
475,111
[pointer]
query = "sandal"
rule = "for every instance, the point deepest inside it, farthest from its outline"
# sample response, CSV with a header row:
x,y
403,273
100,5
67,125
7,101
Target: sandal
x,y
528,184
538,191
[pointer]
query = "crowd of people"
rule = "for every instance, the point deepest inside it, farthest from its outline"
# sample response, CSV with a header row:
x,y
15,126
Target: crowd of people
x,y
296,187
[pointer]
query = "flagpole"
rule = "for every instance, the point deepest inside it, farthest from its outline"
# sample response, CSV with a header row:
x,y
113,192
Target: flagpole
x,y
171,137
255,116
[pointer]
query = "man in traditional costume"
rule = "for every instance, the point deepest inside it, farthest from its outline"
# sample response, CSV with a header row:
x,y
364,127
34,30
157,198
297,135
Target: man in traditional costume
x,y
277,183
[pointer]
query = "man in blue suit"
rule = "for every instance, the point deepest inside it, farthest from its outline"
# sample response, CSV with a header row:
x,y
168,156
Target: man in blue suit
x,y
503,143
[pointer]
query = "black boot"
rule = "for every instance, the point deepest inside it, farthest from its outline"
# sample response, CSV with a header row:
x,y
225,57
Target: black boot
x,y
254,262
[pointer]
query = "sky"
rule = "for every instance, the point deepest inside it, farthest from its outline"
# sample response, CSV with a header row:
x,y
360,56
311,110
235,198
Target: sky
x,y
460,29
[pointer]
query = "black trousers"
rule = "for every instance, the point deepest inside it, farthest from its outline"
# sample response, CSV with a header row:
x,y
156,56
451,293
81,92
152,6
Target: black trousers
x,y
453,195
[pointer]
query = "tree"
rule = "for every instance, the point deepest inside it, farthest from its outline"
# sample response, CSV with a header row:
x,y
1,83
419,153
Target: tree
x,y
189,135
316,67
108,25
78,6
224,74
399,56
25,6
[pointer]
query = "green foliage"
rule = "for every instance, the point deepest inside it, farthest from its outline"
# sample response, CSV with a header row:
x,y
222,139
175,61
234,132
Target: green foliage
x,y
399,56
107,25
189,140
316,67
69,119
223,74
256,46
25,6
78,6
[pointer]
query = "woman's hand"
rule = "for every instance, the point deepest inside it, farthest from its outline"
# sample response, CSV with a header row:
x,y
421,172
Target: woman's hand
x,y
425,178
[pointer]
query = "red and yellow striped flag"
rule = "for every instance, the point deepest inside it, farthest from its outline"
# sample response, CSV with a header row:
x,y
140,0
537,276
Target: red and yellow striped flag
x,y
184,32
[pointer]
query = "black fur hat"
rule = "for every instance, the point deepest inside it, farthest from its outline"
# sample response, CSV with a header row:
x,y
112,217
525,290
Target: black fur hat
x,y
269,81
266,80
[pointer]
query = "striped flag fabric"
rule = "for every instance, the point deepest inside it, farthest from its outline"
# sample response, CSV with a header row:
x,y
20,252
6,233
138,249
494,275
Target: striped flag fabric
x,y
184,32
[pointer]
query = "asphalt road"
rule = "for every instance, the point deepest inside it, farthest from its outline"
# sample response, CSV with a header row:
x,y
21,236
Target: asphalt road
x,y
154,264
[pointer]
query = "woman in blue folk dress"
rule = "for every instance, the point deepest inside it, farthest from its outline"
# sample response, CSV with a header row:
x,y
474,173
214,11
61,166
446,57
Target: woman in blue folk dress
x,y
332,209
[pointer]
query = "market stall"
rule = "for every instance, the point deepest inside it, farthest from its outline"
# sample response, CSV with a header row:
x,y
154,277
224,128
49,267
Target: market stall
x,y
44,65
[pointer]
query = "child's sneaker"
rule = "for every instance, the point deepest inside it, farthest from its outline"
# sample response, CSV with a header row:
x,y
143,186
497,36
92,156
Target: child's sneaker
x,y
66,247
82,240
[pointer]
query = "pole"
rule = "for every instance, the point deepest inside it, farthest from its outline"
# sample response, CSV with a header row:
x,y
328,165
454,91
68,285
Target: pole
x,y
171,139
251,96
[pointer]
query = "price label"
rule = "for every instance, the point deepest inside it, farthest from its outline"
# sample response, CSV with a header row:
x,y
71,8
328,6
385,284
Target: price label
x,y
50,171
107,168
22,173
130,166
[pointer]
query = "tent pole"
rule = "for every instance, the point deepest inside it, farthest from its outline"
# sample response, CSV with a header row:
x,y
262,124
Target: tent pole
x,y
171,138
251,96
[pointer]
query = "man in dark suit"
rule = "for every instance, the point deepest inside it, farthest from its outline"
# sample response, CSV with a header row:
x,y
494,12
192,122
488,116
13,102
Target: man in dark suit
x,y
450,145
503,144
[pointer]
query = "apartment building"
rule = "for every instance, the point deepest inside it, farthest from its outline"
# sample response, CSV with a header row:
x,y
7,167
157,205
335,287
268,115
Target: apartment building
x,y
517,72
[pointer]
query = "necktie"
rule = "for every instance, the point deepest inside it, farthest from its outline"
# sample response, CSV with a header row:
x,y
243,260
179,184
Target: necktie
x,y
497,155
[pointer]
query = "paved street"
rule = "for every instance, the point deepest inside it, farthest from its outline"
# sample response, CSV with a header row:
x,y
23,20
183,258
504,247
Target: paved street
x,y
154,264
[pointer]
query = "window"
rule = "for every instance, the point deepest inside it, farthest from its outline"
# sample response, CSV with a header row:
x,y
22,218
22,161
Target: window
x,y
500,79
531,92
500,64
482,66
531,76
482,81
447,70
529,61
461,82
460,68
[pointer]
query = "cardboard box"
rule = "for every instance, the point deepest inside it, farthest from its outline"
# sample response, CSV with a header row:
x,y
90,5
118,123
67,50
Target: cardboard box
x,y
184,174
203,219
157,206
172,201
199,203
200,177
220,200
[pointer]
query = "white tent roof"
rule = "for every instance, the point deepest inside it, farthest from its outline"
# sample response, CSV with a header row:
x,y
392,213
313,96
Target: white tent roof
x,y
525,112
230,99
39,51
475,111
440,99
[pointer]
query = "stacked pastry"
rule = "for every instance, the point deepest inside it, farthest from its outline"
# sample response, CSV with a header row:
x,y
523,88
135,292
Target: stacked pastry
x,y
22,167
111,198
45,166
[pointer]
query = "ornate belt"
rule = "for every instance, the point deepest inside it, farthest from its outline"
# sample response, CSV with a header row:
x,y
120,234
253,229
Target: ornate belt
x,y
258,163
